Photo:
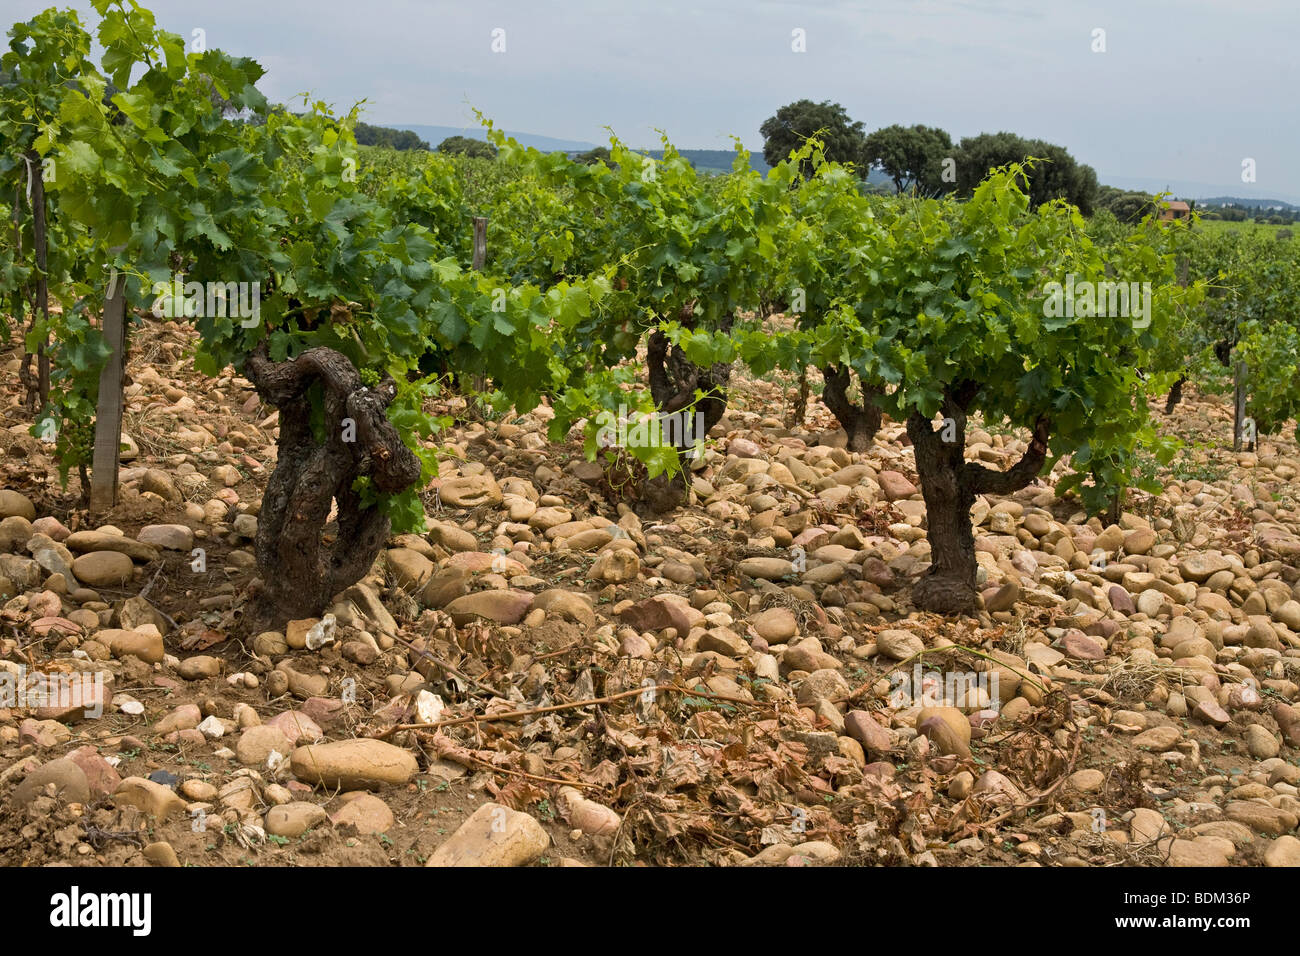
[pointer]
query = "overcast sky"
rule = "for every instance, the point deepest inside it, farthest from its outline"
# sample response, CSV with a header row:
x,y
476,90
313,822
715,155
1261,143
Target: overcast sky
x,y
1184,92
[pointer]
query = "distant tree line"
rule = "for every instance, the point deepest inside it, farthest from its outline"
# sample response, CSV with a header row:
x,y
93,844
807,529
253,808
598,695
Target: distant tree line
x,y
598,154
1233,212
920,159
468,146
403,139
368,135
924,159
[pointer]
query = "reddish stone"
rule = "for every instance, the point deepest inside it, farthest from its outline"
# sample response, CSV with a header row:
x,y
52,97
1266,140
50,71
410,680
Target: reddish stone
x,y
100,774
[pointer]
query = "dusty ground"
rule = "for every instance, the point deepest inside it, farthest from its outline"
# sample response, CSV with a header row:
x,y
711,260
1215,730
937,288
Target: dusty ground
x,y
1146,711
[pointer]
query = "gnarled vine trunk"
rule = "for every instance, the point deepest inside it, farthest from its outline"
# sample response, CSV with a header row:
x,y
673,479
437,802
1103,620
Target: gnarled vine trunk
x,y
36,383
860,421
800,410
674,380
949,485
1175,395
300,571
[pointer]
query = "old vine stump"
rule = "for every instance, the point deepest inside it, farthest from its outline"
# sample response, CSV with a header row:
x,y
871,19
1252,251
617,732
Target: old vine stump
x,y
301,567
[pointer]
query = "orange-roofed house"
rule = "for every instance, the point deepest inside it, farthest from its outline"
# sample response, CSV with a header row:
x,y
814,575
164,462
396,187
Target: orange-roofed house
x,y
1176,209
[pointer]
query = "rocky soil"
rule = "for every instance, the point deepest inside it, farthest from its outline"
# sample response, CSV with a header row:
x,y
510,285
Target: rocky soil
x,y
545,678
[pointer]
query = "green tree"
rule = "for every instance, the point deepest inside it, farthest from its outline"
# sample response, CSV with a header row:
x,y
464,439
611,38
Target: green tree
x,y
1131,207
1060,177
1081,185
368,135
842,138
599,154
465,146
912,156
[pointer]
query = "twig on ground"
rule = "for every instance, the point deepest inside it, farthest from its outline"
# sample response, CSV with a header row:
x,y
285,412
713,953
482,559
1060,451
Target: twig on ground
x,y
571,705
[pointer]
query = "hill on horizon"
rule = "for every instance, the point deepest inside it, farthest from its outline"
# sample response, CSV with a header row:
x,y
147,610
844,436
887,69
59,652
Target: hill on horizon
x,y
436,134
1216,193
1247,203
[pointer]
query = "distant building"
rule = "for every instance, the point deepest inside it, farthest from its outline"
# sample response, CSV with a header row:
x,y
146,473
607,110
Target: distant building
x,y
1175,209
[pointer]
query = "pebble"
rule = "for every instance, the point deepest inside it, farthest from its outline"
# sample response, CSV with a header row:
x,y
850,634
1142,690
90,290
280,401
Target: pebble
x,y
100,569
1157,738
1087,781
148,797
766,569
161,853
948,728
294,819
353,764
13,504
256,744
364,811
493,835
899,645
502,606
1260,743
1284,851
66,778
169,537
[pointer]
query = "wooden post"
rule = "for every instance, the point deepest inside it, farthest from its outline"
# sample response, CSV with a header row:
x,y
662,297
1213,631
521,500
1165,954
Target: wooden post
x,y
480,242
480,382
1239,392
108,411
23,370
1239,407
